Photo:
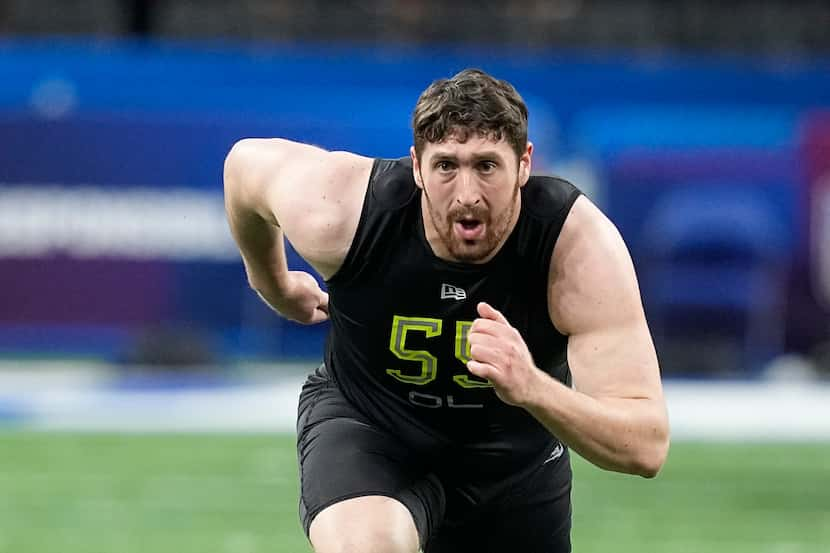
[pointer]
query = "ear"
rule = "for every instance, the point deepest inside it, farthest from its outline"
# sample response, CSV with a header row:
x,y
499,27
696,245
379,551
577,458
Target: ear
x,y
416,168
525,164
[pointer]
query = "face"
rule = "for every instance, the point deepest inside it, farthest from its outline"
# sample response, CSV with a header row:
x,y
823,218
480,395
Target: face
x,y
471,195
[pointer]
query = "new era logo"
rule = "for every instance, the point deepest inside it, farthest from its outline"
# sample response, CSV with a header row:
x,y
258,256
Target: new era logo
x,y
450,292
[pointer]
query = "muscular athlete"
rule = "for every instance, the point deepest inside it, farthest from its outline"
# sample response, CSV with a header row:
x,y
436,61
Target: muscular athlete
x,y
483,322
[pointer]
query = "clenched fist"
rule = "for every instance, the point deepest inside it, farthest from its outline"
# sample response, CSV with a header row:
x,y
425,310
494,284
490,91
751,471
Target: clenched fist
x,y
499,353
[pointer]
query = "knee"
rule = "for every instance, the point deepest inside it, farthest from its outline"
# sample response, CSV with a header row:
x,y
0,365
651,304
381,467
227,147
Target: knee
x,y
368,540
364,525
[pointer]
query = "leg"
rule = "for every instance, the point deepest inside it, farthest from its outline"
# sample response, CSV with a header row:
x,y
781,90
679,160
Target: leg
x,y
368,524
533,516
361,489
531,529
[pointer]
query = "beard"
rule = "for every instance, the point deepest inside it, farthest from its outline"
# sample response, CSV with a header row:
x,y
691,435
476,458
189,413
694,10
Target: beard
x,y
496,228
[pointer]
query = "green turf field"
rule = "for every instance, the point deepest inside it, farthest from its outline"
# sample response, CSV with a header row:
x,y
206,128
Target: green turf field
x,y
69,493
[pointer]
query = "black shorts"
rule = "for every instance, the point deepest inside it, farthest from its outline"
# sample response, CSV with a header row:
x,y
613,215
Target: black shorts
x,y
343,455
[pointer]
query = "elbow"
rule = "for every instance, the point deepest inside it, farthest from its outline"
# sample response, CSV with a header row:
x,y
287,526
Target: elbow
x,y
249,167
649,466
232,167
653,456
238,157
253,155
237,151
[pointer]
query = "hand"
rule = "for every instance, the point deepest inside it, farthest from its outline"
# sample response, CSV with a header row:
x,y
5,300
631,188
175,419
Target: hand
x,y
499,353
299,298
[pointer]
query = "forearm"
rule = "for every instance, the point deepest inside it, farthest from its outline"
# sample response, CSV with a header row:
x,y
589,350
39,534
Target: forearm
x,y
262,248
621,434
252,223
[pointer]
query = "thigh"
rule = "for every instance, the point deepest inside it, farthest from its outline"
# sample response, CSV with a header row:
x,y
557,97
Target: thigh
x,y
529,530
342,455
533,517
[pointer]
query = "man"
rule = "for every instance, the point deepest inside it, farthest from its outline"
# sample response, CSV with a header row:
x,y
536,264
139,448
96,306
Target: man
x,y
465,297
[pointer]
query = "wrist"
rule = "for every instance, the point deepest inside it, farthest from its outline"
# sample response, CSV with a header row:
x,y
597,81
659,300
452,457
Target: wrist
x,y
538,390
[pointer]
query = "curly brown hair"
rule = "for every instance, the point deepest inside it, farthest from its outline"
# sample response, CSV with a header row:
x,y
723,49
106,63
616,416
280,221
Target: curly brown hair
x,y
471,102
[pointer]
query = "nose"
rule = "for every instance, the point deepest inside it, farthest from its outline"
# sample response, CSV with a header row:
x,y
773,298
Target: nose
x,y
467,191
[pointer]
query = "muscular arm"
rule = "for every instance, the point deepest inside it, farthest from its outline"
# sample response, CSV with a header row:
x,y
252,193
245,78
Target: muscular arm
x,y
615,416
277,189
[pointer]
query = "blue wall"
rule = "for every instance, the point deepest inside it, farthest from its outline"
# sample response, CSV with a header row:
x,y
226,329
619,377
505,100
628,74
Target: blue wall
x,y
124,114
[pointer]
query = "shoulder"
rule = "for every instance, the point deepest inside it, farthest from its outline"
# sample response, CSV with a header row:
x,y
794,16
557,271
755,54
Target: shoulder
x,y
391,182
587,227
591,270
548,196
267,157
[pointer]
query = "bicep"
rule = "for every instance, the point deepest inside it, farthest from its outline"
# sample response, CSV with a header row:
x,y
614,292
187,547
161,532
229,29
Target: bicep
x,y
595,300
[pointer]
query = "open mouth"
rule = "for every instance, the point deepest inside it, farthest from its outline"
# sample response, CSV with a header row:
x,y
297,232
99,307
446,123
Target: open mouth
x,y
469,229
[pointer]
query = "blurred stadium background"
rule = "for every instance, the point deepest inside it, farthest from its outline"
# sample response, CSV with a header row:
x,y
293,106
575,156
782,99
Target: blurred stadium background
x,y
147,396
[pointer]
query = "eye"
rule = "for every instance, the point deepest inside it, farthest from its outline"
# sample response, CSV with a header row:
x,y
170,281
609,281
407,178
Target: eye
x,y
444,166
486,166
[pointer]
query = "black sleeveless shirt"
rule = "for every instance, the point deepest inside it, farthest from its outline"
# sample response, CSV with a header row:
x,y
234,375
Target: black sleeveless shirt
x,y
399,317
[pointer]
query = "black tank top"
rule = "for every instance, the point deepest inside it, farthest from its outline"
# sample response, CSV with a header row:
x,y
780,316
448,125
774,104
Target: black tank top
x,y
399,317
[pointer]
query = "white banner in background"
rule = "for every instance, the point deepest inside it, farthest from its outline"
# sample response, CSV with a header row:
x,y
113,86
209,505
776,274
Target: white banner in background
x,y
135,223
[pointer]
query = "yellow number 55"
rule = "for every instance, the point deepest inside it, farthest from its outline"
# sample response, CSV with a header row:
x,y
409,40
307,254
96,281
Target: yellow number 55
x,y
429,363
